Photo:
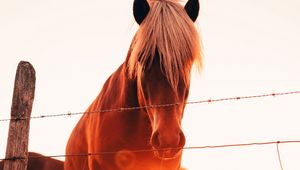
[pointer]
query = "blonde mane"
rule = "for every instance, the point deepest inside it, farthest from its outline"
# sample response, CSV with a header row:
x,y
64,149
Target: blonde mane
x,y
169,30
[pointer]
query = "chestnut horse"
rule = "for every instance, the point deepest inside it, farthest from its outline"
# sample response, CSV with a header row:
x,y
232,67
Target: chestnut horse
x,y
155,72
37,161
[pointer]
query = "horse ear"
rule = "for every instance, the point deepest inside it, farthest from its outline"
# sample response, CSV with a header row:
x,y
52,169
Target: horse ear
x,y
192,9
140,10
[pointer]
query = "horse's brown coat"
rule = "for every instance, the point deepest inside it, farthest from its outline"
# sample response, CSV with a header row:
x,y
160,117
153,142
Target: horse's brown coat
x,y
41,163
152,74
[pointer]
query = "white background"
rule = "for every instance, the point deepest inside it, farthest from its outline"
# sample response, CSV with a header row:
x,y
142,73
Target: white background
x,y
250,46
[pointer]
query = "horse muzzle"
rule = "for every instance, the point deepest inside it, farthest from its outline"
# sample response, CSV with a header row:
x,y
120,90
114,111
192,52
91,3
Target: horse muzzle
x,y
167,145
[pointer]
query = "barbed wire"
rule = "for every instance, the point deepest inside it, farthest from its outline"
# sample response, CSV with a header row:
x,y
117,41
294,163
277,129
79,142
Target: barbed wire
x,y
121,109
15,158
151,150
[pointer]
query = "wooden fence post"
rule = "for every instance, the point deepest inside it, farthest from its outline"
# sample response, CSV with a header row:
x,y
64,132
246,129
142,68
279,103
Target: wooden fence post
x,y
17,142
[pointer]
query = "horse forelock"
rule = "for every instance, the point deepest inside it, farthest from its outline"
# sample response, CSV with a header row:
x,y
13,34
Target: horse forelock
x,y
168,30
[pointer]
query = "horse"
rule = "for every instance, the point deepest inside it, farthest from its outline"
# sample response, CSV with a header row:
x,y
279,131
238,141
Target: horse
x,y
37,161
135,121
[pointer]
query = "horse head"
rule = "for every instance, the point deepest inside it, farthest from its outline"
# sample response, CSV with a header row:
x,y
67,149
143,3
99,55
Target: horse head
x,y
163,52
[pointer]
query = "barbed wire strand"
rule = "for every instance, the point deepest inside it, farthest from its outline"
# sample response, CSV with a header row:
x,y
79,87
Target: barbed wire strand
x,y
151,150
278,154
154,106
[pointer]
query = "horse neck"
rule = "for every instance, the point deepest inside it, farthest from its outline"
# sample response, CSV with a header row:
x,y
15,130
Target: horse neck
x,y
120,91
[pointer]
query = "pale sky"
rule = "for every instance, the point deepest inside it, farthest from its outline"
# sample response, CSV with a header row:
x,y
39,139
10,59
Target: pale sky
x,y
251,47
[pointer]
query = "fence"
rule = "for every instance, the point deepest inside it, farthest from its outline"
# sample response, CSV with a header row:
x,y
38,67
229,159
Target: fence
x,y
17,142
21,110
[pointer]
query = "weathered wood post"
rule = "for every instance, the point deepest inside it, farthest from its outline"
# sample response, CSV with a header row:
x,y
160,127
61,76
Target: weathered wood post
x,y
17,142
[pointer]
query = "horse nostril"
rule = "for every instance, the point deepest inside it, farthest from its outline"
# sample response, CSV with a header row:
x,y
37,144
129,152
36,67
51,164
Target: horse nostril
x,y
155,140
181,139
